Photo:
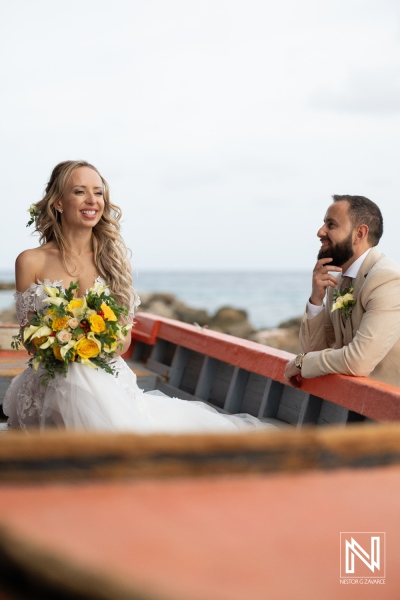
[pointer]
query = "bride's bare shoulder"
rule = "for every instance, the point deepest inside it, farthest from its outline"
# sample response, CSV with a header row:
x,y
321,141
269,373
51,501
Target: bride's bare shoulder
x,y
27,266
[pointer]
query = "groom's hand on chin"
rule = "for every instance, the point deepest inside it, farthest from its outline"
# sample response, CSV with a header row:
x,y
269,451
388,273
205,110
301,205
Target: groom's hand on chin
x,y
322,279
293,374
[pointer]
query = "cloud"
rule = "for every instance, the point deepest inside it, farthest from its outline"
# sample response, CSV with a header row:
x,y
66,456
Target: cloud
x,y
368,91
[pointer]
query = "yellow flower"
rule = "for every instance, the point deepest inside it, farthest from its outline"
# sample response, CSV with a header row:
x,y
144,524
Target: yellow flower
x,y
75,303
347,298
77,307
57,352
38,341
97,324
108,313
59,323
87,348
338,303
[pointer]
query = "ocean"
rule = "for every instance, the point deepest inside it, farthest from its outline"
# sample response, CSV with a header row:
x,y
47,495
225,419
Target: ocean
x,y
268,297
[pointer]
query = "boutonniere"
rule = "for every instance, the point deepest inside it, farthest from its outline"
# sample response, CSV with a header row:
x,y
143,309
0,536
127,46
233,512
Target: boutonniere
x,y
344,301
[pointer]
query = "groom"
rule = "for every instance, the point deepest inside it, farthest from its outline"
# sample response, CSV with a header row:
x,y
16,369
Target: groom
x,y
361,335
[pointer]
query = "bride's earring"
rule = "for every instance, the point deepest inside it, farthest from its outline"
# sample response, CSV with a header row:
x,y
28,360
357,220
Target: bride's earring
x,y
60,210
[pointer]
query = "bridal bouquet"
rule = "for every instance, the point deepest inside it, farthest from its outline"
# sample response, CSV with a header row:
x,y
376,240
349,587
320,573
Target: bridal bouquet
x,y
68,329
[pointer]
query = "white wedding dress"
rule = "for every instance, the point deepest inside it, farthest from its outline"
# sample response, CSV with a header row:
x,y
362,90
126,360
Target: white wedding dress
x,y
95,400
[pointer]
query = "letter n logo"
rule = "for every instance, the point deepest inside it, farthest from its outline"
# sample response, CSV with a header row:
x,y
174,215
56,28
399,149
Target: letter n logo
x,y
362,554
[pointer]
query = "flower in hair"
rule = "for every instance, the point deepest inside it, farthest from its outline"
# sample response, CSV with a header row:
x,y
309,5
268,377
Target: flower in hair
x,y
33,212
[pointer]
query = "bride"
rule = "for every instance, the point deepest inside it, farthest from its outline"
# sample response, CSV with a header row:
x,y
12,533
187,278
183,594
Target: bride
x,y
80,241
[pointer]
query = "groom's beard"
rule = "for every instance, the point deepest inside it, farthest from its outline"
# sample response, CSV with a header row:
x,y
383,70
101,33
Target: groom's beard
x,y
340,252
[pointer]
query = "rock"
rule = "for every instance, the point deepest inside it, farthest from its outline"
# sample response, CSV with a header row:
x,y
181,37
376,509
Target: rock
x,y
157,307
191,315
293,322
165,298
280,338
167,305
233,321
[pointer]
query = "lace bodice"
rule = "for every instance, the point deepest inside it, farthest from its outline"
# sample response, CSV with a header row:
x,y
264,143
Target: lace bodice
x,y
31,300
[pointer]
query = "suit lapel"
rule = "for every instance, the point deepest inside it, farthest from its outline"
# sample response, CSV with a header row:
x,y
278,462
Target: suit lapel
x,y
344,330
366,266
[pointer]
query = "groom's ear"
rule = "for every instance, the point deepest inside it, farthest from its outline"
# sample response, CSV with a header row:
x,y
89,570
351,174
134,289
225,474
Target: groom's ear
x,y
361,233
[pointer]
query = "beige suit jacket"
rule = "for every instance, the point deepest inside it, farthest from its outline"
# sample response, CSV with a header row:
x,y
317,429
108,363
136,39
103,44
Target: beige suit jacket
x,y
368,344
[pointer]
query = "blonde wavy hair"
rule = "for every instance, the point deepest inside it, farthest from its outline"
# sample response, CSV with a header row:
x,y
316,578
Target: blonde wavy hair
x,y
111,255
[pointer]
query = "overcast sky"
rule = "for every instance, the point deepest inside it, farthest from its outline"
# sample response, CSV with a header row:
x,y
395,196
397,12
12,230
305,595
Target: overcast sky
x,y
222,126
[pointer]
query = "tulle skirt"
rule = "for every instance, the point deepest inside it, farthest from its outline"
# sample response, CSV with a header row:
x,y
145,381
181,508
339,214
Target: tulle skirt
x,y
89,399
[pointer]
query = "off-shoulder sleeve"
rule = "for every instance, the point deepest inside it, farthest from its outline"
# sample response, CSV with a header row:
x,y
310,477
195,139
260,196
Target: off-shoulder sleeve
x,y
28,302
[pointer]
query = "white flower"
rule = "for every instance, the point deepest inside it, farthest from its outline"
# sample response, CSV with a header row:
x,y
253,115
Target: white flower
x,y
73,323
36,331
55,301
50,290
33,213
48,319
64,349
64,336
49,342
99,287
120,331
88,363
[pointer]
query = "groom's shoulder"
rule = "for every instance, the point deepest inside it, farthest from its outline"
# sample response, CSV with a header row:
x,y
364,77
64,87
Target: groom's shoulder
x,y
382,266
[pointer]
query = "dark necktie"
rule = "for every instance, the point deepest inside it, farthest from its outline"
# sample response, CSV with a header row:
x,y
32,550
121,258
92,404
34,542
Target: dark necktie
x,y
345,283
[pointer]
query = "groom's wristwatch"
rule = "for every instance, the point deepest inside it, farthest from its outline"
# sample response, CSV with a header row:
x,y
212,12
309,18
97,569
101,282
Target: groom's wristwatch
x,y
298,361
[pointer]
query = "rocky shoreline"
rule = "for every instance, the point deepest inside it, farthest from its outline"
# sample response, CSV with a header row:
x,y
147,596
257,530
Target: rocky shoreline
x,y
226,320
